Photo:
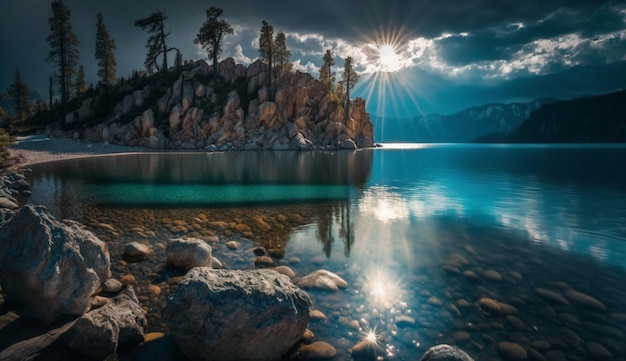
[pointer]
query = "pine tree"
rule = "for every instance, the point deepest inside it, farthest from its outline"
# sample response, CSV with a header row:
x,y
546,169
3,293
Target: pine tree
x,y
105,45
281,55
266,52
349,77
64,48
81,83
20,93
155,44
211,35
327,75
178,60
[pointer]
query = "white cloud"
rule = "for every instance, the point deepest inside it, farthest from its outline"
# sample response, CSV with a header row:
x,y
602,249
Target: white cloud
x,y
309,67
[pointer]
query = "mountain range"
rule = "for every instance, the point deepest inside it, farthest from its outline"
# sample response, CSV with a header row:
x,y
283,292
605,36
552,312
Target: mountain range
x,y
461,127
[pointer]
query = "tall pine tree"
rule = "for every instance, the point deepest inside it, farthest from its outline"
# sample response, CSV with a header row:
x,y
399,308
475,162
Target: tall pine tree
x,y
63,48
349,77
211,35
20,93
81,83
155,25
266,52
105,45
281,55
327,75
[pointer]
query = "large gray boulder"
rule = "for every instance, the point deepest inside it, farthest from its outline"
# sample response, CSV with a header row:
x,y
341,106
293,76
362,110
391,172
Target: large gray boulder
x,y
50,268
99,332
236,315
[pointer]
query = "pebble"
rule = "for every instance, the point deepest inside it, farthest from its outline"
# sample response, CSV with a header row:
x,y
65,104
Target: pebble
x,y
597,351
154,290
569,318
469,274
317,315
135,251
264,261
317,350
434,301
515,322
285,270
405,321
541,345
585,299
307,336
551,296
366,350
152,336
511,351
461,336
492,275
490,306
259,251
232,245
112,285
127,280
354,325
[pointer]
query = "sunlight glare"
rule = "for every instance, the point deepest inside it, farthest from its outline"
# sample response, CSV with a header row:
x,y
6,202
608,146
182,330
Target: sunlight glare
x,y
388,58
382,289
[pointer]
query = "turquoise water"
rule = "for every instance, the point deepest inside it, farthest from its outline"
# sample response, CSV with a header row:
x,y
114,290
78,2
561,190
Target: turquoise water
x,y
394,222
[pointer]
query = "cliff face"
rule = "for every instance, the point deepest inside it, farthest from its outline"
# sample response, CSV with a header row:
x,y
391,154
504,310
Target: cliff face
x,y
192,114
600,119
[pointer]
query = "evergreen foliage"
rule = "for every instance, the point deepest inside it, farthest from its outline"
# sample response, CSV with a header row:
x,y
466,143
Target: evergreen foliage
x,y
155,25
266,52
63,48
281,55
20,93
349,78
212,33
327,75
105,46
81,83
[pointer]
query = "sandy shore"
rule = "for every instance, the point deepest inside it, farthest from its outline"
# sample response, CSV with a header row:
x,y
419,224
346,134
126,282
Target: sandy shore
x,y
39,149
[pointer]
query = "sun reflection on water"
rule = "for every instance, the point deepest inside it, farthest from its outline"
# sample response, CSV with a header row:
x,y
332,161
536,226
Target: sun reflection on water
x,y
383,289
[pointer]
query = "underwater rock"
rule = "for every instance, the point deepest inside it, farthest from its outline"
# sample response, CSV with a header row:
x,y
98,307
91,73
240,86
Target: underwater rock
x,y
445,353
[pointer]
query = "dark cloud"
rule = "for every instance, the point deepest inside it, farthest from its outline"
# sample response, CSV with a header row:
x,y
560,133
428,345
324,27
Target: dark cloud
x,y
488,24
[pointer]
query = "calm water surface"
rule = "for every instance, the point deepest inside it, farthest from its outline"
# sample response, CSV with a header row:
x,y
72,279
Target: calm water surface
x,y
424,231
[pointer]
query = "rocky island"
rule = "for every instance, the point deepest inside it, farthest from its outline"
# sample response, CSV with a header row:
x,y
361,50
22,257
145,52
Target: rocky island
x,y
234,113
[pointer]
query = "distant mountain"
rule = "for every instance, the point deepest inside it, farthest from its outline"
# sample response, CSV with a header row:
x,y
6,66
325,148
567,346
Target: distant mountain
x,y
590,119
464,126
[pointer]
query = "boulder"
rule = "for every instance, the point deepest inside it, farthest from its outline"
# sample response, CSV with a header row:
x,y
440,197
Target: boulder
x,y
99,332
135,251
188,253
445,353
50,268
236,315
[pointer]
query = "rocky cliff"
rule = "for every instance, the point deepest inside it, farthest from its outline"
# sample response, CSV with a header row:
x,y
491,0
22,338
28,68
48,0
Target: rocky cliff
x,y
234,114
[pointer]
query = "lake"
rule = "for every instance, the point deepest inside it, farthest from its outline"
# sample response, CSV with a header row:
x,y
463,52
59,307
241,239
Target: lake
x,y
481,246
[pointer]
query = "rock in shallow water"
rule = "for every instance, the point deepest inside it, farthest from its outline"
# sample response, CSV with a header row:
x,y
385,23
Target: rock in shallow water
x,y
236,315
322,279
445,353
50,268
188,253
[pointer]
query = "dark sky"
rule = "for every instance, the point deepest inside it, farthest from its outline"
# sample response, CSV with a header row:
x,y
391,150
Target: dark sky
x,y
437,56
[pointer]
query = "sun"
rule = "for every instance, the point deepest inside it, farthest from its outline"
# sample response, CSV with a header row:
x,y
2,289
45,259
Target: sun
x,y
388,58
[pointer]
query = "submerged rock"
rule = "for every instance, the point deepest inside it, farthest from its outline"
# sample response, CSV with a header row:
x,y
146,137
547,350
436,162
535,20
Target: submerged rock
x,y
445,353
54,268
99,332
316,351
322,279
236,315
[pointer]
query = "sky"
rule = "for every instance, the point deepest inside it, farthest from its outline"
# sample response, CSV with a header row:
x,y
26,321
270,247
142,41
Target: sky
x,y
413,56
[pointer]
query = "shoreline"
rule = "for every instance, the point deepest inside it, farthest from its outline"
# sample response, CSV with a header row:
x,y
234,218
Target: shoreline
x,y
37,149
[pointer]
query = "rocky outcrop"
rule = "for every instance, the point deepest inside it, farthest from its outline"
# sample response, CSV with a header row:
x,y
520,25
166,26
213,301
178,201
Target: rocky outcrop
x,y
54,268
236,315
192,114
99,332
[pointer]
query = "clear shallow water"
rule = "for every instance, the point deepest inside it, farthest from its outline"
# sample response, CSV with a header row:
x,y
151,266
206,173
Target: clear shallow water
x,y
393,222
